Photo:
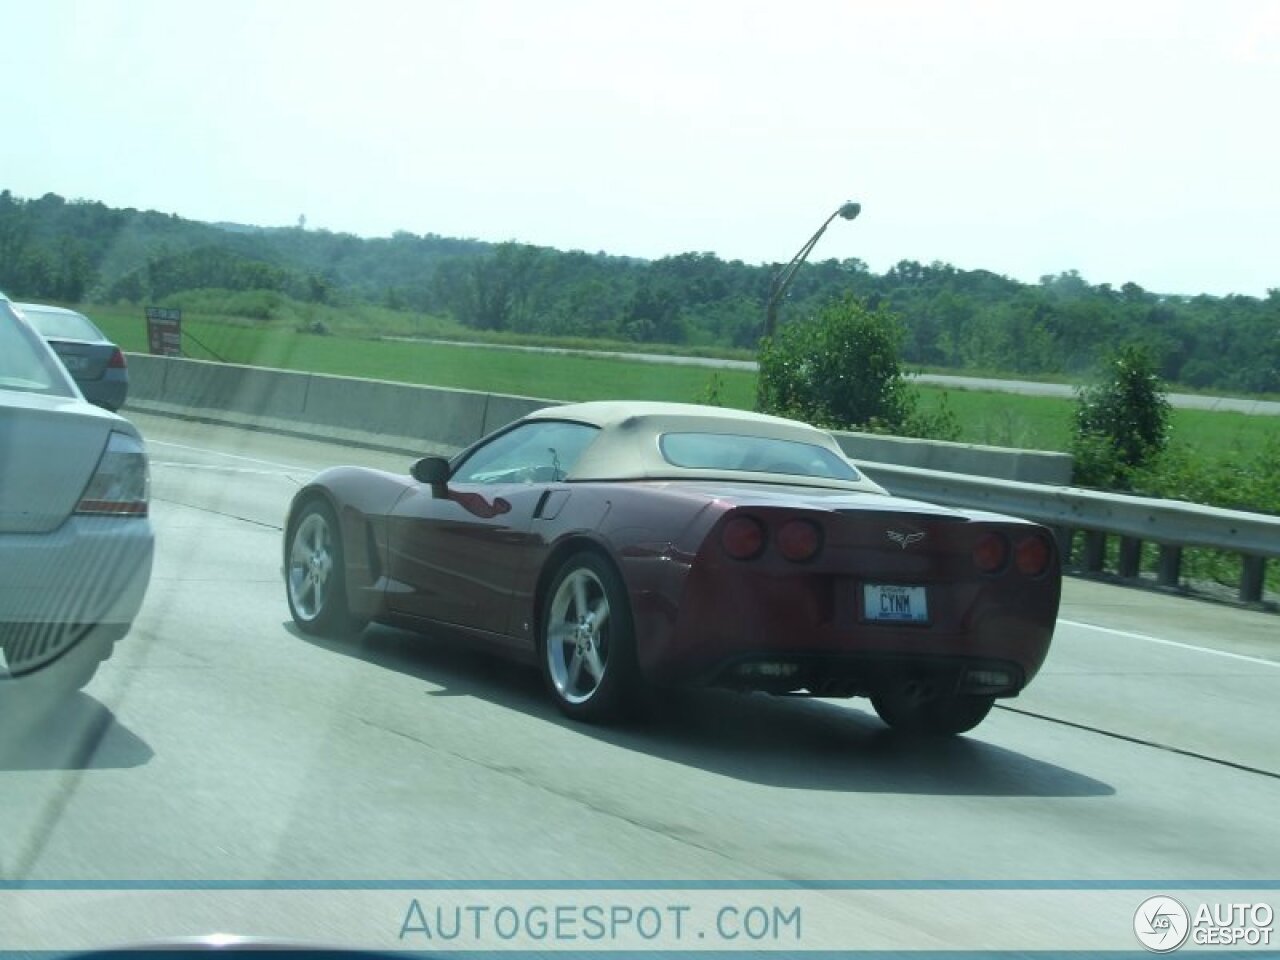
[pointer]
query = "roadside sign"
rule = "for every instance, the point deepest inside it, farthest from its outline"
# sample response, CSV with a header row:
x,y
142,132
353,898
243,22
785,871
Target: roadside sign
x,y
164,331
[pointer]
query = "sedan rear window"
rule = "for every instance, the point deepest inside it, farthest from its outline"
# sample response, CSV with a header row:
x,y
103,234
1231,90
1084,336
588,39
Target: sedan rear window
x,y
724,451
25,362
59,325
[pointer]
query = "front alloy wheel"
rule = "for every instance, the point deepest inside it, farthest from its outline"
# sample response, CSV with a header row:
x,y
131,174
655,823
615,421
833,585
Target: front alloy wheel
x,y
588,653
314,576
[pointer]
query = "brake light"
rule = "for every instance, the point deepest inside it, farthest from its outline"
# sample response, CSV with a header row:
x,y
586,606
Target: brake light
x,y
121,484
991,552
799,540
117,361
743,538
1031,556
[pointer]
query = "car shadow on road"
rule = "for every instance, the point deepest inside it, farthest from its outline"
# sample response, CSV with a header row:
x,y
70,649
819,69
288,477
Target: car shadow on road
x,y
792,742
80,734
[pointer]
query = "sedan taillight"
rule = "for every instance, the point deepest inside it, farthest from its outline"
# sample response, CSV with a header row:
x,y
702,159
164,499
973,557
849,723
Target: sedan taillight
x,y
117,361
121,484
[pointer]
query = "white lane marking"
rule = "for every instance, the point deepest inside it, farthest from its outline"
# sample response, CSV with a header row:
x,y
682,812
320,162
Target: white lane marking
x,y
230,456
1171,643
220,468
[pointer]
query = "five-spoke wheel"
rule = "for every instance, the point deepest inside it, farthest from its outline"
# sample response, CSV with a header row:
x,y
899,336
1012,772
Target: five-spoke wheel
x,y
314,573
588,650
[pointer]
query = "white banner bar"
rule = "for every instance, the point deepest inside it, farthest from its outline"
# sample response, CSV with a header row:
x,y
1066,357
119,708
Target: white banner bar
x,y
644,920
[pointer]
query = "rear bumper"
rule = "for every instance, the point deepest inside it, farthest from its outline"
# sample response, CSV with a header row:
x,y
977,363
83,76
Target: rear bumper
x,y
852,675
110,391
91,570
811,632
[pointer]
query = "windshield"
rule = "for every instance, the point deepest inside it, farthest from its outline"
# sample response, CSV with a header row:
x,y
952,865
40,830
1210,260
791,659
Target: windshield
x,y
630,477
25,362
59,324
545,449
722,451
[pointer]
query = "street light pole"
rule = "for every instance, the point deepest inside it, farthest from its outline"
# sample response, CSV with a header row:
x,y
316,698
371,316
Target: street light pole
x,y
782,279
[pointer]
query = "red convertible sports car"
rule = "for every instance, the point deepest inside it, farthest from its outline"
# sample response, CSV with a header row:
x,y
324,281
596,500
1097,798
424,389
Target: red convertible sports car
x,y
622,544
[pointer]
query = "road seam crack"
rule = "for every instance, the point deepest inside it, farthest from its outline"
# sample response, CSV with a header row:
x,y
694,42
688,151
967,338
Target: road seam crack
x,y
1180,751
515,773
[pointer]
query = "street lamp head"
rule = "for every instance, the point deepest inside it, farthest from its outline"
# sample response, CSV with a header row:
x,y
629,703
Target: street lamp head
x,y
782,279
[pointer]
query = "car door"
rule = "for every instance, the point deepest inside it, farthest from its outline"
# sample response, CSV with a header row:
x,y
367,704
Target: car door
x,y
455,555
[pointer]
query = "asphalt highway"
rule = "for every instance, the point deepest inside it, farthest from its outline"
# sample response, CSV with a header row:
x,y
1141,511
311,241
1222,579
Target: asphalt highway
x,y
221,744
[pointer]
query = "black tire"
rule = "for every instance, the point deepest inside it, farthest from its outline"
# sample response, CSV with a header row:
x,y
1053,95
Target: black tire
x,y
938,716
572,639
315,574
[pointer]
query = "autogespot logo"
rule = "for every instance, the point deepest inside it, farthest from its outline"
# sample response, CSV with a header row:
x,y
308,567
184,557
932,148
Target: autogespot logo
x,y
1161,924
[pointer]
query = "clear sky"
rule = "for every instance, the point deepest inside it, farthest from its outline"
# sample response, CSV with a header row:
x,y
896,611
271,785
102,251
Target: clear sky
x,y
1128,140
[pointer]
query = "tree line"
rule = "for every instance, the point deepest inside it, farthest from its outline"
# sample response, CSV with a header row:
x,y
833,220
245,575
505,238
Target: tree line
x,y
84,251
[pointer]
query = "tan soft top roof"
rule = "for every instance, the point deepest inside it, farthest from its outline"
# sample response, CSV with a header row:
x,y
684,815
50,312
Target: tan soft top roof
x,y
627,447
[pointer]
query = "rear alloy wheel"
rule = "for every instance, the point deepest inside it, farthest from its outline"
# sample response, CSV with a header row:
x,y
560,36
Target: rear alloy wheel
x,y
314,577
588,641
907,710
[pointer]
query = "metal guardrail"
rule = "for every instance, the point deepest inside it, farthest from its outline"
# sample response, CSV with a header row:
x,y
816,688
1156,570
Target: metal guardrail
x,y
1171,524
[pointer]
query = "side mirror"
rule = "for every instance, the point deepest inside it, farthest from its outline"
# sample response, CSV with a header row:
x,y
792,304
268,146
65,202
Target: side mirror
x,y
433,471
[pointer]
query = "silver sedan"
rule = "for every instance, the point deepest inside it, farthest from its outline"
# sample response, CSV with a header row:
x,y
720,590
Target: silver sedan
x,y
76,540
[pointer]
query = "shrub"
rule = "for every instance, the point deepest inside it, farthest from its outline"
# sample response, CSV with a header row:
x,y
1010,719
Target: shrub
x,y
836,369
1122,422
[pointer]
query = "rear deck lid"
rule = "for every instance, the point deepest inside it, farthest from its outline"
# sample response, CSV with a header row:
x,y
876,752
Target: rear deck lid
x,y
49,448
83,360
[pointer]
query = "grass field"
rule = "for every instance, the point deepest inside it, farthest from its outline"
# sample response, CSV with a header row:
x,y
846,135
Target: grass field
x,y
553,376
1000,419
1044,423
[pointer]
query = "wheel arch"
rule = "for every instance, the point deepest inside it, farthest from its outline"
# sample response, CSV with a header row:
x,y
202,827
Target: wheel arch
x,y
562,551
301,500
363,555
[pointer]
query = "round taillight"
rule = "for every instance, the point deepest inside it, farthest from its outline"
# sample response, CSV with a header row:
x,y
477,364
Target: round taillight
x,y
991,552
1032,555
799,540
743,538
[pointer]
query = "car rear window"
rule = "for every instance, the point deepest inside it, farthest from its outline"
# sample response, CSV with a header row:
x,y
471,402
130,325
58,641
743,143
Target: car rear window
x,y
26,363
725,451
56,324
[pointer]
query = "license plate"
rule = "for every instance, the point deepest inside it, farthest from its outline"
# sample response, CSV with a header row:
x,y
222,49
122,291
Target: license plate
x,y
894,604
74,364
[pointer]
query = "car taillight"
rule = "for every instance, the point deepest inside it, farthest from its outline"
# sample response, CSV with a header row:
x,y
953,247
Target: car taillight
x,y
121,485
1031,556
117,360
991,552
743,538
799,540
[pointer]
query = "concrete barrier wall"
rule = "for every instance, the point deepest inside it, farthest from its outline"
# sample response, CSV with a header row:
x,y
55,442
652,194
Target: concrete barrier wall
x,y
410,418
